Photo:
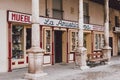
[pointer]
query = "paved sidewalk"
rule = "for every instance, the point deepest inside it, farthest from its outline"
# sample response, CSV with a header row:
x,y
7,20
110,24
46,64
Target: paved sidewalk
x,y
67,72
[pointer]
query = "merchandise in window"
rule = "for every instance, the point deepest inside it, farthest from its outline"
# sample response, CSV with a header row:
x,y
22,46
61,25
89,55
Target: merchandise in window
x,y
99,41
17,49
74,41
48,41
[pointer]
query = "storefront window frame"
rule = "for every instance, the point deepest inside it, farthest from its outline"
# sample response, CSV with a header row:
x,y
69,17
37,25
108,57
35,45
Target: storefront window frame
x,y
99,41
45,39
17,42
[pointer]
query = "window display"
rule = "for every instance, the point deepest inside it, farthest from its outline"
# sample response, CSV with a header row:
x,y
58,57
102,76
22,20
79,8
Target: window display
x,y
99,41
48,41
74,41
17,49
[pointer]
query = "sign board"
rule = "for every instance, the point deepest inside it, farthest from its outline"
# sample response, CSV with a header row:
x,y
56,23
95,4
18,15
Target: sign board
x,y
58,23
19,17
25,18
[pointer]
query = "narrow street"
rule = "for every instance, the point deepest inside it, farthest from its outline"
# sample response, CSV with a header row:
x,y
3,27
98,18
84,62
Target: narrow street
x,y
68,72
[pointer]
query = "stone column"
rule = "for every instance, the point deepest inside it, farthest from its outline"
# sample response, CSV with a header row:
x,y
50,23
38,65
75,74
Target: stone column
x,y
81,51
107,48
35,53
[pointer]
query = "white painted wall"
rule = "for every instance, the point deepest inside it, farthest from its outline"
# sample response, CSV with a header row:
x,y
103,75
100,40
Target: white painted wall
x,y
96,11
21,6
3,41
70,8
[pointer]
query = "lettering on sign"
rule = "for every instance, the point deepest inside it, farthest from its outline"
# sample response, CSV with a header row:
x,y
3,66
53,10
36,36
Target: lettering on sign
x,y
25,18
98,28
48,22
18,17
58,23
87,27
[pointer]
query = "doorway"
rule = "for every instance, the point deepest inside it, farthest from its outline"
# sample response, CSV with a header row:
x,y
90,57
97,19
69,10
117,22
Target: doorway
x,y
111,44
58,46
28,38
119,45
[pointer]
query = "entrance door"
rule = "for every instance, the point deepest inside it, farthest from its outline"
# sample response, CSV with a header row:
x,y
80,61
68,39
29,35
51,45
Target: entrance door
x,y
58,46
118,45
28,41
28,38
111,45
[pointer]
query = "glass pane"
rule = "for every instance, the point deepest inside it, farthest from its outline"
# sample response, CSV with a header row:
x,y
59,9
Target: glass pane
x,y
86,19
57,9
58,14
73,41
85,9
17,49
103,41
76,39
84,42
96,41
57,4
48,47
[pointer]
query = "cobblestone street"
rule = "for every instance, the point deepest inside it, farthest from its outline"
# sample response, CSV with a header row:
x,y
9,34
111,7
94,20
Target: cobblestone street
x,y
67,72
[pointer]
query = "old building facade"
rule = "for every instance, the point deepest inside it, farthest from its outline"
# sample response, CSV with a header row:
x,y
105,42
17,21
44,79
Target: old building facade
x,y
58,30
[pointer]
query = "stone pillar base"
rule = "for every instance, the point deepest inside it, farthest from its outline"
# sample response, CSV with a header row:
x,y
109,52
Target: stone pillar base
x,y
108,62
80,61
37,76
35,64
107,53
84,67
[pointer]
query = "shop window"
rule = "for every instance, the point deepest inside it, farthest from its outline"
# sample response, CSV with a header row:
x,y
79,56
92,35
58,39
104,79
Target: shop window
x,y
84,40
74,41
99,41
17,43
102,41
47,41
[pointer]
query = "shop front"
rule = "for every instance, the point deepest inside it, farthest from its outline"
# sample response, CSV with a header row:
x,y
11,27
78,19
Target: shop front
x,y
19,39
57,38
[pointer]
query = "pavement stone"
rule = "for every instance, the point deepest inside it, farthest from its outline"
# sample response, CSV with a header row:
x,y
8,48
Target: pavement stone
x,y
67,71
